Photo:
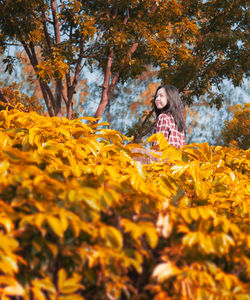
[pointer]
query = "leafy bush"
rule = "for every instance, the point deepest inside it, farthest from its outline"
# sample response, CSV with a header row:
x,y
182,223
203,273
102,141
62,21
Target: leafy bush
x,y
80,219
15,97
238,130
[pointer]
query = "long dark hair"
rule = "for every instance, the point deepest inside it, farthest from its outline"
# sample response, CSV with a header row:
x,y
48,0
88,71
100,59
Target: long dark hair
x,y
174,106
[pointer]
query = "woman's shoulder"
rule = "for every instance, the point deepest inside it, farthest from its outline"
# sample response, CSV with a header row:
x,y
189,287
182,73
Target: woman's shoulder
x,y
164,115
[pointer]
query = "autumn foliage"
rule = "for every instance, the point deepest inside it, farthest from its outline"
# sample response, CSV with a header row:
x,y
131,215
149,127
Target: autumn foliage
x,y
238,129
81,219
14,97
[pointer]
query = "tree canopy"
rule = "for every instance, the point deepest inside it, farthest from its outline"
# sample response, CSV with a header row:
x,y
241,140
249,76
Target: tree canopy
x,y
194,44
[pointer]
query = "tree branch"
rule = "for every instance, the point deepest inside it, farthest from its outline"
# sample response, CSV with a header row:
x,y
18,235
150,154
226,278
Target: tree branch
x,y
139,135
125,20
47,94
77,69
58,99
47,100
55,22
10,44
108,90
27,50
47,19
64,95
32,48
47,37
104,98
59,84
117,74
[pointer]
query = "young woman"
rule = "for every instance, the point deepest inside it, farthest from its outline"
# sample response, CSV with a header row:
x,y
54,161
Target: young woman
x,y
169,111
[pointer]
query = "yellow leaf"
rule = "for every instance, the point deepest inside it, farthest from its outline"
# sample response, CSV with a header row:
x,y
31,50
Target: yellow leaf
x,y
164,226
55,225
64,219
150,231
64,132
7,223
190,239
111,236
203,211
7,280
39,219
194,213
14,290
164,271
71,297
38,294
62,275
132,227
186,216
53,248
44,283
71,285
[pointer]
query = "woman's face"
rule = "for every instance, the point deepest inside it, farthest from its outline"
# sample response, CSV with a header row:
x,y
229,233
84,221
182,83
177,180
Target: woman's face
x,y
161,99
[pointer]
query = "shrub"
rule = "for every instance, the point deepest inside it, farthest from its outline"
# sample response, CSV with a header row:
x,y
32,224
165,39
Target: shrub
x,y
80,219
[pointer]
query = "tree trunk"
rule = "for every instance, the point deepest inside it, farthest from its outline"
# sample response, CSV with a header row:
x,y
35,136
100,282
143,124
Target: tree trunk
x,y
58,100
105,97
69,110
108,89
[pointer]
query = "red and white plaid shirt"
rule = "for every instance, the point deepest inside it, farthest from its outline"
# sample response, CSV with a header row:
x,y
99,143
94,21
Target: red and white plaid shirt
x,y
166,124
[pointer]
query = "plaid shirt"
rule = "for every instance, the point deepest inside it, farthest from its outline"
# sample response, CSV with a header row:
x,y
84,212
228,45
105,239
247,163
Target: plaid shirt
x,y
165,123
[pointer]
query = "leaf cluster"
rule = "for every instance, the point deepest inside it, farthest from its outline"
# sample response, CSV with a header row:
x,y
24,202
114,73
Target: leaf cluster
x,y
81,219
237,130
15,97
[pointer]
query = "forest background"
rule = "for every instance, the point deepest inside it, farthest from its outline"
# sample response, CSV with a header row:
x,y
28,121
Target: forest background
x,y
106,58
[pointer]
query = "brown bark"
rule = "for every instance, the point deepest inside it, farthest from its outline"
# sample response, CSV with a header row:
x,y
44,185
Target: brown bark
x,y
47,94
59,85
69,110
55,22
58,100
108,90
104,98
47,36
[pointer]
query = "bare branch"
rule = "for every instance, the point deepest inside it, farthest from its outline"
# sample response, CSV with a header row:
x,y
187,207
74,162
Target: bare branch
x,y
10,44
61,23
47,19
